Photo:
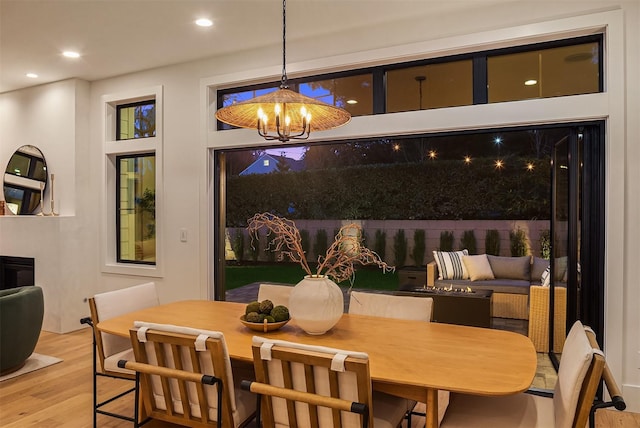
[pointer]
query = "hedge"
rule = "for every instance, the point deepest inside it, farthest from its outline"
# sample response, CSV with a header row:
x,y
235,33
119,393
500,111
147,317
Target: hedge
x,y
438,190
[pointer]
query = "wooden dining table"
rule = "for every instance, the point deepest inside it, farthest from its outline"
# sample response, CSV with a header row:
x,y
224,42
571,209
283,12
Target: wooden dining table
x,y
411,359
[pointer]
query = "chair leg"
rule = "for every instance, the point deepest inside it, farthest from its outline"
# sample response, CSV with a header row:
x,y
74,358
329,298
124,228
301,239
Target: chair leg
x,y
96,405
136,404
95,384
259,411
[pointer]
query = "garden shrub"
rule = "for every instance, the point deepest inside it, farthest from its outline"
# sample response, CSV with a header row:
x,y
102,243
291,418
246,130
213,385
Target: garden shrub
x,y
271,253
305,240
399,248
380,243
364,237
254,247
446,241
419,247
237,245
468,241
321,244
518,240
492,242
545,244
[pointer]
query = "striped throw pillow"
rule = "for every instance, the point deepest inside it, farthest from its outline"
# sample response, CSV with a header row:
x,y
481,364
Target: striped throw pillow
x,y
545,279
450,265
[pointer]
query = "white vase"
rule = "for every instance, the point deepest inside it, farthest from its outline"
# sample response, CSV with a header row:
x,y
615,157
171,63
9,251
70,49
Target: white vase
x,y
316,304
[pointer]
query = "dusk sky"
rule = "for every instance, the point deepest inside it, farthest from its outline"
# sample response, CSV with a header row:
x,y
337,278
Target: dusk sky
x,y
290,152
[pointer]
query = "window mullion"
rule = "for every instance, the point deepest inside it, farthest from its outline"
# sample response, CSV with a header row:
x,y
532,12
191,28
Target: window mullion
x,y
379,92
480,89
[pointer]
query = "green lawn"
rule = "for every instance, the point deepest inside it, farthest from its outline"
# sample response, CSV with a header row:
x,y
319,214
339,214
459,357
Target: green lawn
x,y
240,275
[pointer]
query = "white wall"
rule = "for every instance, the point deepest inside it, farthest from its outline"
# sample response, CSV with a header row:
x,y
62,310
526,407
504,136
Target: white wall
x,y
68,246
54,118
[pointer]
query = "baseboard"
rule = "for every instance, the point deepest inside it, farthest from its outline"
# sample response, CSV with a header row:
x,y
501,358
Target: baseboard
x,y
631,394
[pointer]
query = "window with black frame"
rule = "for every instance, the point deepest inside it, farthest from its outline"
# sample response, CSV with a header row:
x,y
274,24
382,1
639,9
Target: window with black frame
x,y
543,70
136,120
135,206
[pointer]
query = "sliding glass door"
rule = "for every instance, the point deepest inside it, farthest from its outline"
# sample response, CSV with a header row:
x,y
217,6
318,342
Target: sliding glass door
x,y
577,231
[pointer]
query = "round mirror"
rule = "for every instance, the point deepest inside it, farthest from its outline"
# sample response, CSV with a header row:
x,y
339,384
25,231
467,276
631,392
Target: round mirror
x,y
24,178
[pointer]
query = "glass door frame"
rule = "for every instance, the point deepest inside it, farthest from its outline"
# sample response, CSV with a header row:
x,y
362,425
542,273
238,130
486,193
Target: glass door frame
x,y
585,156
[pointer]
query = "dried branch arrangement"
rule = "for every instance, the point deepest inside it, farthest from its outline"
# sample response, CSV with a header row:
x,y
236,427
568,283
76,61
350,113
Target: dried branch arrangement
x,y
340,258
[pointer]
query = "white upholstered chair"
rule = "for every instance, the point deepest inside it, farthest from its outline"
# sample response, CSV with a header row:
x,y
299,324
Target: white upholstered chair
x,y
278,294
187,378
398,307
579,374
109,349
310,386
390,306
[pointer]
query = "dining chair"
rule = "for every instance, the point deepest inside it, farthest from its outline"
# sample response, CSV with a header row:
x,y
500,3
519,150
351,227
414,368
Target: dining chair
x,y
579,374
108,349
312,386
398,307
278,294
186,377
390,306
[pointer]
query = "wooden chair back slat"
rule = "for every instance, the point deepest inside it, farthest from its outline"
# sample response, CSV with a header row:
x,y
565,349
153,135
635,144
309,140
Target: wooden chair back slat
x,y
166,390
588,391
335,392
287,379
605,374
95,319
182,385
311,388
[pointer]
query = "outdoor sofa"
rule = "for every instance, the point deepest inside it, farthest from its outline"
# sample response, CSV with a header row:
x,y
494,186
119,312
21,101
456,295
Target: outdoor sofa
x,y
510,278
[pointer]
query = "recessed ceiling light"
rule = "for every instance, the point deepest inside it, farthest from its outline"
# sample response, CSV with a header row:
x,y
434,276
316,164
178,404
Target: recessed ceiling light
x,y
530,82
32,75
204,22
352,101
71,54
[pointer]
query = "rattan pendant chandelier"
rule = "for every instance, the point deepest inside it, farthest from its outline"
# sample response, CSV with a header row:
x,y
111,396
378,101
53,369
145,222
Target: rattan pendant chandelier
x,y
284,115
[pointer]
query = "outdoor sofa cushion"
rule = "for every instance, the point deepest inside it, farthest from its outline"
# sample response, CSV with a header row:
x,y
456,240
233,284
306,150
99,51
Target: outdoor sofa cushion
x,y
450,264
478,267
511,267
538,266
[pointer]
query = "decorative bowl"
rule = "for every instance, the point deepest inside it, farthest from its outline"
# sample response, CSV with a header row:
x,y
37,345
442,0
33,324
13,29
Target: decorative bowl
x,y
262,326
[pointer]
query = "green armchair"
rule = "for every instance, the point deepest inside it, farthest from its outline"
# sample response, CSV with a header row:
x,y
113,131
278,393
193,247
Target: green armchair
x,y
21,314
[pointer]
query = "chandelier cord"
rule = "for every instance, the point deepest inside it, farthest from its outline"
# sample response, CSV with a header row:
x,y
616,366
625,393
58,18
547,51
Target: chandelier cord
x,y
283,114
283,83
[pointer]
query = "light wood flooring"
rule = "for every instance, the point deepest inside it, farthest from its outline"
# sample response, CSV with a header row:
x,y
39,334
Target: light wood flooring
x,y
61,395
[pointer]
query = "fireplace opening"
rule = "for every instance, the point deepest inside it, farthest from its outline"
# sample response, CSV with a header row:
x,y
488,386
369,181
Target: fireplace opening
x,y
16,272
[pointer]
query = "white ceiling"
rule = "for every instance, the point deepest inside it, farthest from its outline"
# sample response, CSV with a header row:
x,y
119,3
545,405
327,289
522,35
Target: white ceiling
x,y
121,36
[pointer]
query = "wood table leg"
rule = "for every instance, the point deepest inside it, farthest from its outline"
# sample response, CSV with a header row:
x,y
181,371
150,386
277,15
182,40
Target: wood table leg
x,y
432,408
